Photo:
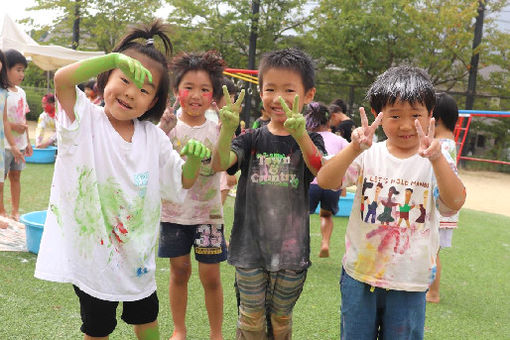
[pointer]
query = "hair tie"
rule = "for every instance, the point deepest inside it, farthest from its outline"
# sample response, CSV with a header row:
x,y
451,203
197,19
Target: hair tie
x,y
149,41
314,105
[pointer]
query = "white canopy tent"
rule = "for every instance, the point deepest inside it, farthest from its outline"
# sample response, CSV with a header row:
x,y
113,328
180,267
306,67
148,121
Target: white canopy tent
x,y
47,57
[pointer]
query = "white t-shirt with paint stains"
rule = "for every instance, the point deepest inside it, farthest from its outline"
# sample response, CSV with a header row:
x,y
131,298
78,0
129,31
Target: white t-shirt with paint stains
x,y
103,216
203,201
392,236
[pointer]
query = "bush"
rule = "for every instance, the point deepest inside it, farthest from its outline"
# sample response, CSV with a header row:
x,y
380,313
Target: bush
x,y
34,96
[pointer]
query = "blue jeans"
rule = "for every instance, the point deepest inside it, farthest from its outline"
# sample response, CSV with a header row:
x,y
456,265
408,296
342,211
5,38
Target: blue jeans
x,y
381,313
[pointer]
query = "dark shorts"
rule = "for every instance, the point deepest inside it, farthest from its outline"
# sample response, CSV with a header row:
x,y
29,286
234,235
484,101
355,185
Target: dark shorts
x,y
327,198
176,240
99,316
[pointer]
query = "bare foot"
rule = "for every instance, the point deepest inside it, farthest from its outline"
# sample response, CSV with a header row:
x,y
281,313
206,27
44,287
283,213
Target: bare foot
x,y
178,336
15,216
4,225
432,298
324,252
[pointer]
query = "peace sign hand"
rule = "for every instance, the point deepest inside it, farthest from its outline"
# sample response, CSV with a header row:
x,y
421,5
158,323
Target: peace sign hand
x,y
229,114
363,136
429,146
133,69
169,120
295,123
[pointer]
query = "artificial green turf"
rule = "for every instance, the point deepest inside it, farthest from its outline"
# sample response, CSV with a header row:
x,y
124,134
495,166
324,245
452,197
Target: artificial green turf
x,y
475,285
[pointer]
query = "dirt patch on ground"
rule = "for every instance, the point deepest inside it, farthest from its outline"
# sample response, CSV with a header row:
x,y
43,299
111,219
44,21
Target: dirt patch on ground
x,y
487,191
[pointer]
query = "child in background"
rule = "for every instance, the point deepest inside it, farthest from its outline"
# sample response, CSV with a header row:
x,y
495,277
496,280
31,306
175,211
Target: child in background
x,y
90,89
198,221
113,167
446,114
263,120
46,122
386,268
270,240
17,108
317,120
341,123
5,129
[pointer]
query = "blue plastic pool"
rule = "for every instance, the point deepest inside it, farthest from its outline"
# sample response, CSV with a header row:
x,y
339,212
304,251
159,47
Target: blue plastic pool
x,y
46,155
34,225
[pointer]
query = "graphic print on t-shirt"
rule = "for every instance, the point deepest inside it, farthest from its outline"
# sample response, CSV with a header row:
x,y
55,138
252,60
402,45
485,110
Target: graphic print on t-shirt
x,y
273,169
398,207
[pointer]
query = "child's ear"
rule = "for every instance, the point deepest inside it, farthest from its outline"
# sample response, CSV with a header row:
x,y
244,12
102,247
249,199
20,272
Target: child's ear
x,y
309,95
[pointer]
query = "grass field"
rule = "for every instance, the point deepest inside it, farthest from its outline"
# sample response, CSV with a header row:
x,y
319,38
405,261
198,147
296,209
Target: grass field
x,y
475,302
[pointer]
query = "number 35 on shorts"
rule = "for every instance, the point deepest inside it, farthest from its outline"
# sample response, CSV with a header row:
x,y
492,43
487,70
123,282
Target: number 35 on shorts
x,y
210,236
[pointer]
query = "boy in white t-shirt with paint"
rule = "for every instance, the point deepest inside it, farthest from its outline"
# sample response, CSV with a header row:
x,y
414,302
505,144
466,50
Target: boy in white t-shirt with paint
x,y
387,268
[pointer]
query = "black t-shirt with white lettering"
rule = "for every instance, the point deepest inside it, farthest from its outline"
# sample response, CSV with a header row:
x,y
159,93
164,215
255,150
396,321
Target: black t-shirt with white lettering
x,y
271,219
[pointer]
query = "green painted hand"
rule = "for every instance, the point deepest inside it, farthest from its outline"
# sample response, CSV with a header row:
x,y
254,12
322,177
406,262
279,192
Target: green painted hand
x,y
229,114
295,123
195,149
132,68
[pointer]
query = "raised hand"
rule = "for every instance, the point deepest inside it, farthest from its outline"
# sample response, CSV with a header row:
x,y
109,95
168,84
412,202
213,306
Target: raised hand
x,y
169,119
363,135
295,123
132,68
229,114
196,150
429,146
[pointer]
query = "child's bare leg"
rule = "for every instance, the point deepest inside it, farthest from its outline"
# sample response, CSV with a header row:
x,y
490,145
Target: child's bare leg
x,y
147,331
14,178
180,272
433,293
211,281
2,208
326,231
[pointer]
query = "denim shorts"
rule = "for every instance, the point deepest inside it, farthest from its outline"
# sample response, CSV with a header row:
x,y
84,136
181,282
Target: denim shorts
x,y
99,316
176,240
371,313
327,198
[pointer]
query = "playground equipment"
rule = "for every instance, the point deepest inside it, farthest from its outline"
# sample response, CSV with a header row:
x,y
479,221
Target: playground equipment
x,y
462,129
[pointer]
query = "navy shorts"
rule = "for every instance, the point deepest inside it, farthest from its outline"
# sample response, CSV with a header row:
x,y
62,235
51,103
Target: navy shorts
x,y
327,198
176,240
377,313
99,316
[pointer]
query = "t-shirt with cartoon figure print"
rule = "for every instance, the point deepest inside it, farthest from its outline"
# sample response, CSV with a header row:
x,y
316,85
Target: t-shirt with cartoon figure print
x,y
271,220
394,245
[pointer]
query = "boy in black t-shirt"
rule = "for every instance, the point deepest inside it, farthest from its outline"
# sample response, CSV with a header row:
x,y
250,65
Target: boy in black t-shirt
x,y
270,243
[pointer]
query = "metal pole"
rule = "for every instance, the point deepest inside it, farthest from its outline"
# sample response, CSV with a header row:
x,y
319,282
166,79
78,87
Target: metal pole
x,y
255,6
473,70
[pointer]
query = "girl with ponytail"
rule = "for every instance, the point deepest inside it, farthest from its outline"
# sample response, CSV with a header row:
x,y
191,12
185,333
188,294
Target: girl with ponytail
x,y
113,168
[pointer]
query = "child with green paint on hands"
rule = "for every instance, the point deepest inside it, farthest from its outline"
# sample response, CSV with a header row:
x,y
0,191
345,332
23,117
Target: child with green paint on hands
x,y
387,268
270,240
198,221
113,167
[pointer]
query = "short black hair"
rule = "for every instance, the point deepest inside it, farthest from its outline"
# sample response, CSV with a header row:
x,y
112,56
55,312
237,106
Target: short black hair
x,y
290,59
210,62
4,81
14,57
402,83
231,87
90,84
148,49
446,110
338,105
